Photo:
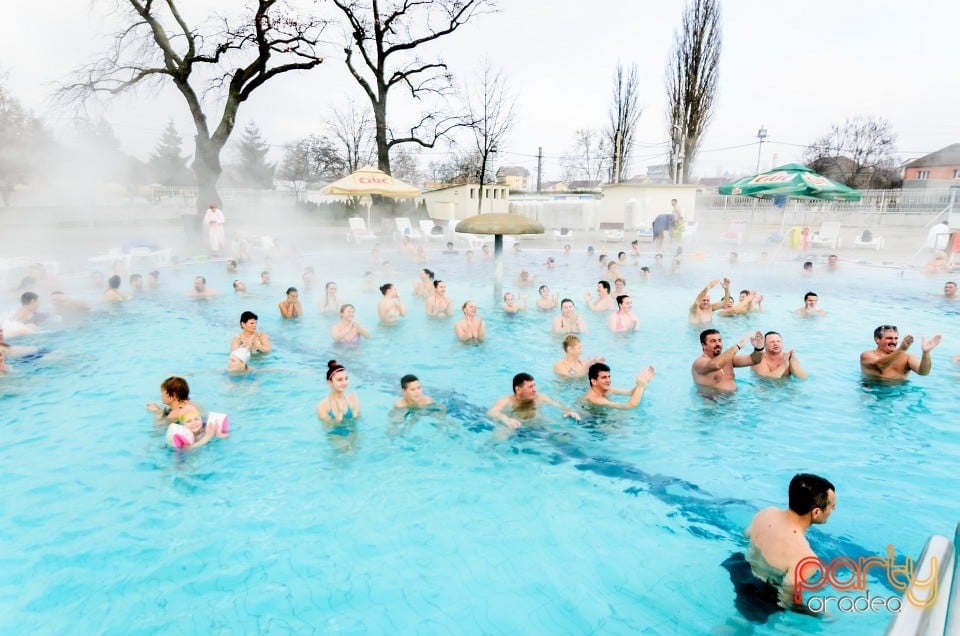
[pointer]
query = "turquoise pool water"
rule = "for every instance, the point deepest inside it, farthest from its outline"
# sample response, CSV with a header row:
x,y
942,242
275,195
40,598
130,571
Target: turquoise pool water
x,y
618,525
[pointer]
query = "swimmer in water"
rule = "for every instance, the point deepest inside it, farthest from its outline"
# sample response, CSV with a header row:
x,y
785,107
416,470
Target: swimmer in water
x,y
438,304
348,330
237,362
511,305
202,433
249,338
239,287
546,300
413,397
623,318
950,290
701,311
338,405
423,288
605,301
200,289
893,362
291,306
391,308
175,396
526,278
778,542
749,301
569,320
810,308
330,303
598,375
776,363
571,365
512,410
714,368
472,328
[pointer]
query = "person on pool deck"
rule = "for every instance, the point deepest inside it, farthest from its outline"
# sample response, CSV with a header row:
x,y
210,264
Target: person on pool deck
x,y
348,329
623,319
776,363
714,367
778,542
291,307
513,306
512,410
338,405
439,304
200,289
571,365
701,311
472,328
598,375
413,397
892,362
605,301
330,303
113,295
175,396
950,290
249,338
810,308
569,320
546,301
390,308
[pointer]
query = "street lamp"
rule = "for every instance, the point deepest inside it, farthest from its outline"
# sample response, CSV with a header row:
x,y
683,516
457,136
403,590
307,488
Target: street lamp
x,y
761,135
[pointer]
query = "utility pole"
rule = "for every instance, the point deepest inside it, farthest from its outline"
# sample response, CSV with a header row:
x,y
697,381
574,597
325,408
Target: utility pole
x,y
539,168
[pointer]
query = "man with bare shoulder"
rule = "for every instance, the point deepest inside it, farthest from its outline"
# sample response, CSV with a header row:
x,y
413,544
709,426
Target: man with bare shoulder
x,y
810,308
600,387
701,311
523,403
779,553
200,289
714,368
776,363
892,362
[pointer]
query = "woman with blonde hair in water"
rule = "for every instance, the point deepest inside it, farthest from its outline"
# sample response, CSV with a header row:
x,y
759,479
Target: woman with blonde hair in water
x,y
570,365
348,330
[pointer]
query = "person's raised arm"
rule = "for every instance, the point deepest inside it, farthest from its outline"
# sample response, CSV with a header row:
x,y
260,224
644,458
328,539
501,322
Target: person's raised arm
x,y
755,357
401,309
264,340
590,303
361,329
286,309
482,330
925,363
703,294
880,363
567,411
726,295
496,413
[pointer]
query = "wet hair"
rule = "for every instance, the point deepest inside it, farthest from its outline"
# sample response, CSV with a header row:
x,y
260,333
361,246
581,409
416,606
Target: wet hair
x,y
620,280
385,288
407,379
519,379
176,387
611,265
619,254
745,291
235,283
291,289
567,300
604,284
436,283
343,308
882,328
28,297
809,294
264,273
464,305
541,288
429,273
635,242
645,269
771,333
601,258
231,263
569,340
247,316
202,278
327,286
658,255
332,367
595,370
114,281
807,492
621,298
505,294
808,265
154,274
949,282
135,277
705,333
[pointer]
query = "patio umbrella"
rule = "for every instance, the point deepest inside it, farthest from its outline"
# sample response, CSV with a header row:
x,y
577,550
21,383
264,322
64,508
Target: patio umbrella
x,y
368,181
792,180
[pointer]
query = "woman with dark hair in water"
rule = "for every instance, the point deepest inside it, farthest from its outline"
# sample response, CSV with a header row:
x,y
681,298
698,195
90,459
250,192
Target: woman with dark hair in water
x,y
391,307
338,405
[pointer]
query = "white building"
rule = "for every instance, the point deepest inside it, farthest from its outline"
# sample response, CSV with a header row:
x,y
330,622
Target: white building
x,y
456,202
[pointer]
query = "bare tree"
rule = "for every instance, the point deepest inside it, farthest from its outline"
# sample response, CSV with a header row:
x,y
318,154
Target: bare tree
x,y
157,45
386,38
691,80
352,129
589,159
625,111
860,153
309,160
490,105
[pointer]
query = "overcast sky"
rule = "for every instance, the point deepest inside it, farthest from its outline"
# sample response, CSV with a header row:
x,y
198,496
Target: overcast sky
x,y
793,68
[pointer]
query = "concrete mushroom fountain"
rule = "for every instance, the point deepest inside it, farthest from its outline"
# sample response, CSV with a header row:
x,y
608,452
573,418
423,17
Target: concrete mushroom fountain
x,y
498,225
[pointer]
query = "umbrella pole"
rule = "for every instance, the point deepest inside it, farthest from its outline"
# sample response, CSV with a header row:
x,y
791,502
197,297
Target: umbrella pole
x,y
497,268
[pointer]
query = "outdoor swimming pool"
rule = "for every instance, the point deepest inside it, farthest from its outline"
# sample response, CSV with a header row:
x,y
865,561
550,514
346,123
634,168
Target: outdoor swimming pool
x,y
617,525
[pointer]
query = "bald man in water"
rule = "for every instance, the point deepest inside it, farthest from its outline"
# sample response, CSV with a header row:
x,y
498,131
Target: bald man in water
x,y
701,311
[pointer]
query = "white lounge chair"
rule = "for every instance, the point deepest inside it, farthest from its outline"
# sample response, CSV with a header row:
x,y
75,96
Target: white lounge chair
x,y
875,242
431,231
827,235
612,236
358,231
736,232
405,229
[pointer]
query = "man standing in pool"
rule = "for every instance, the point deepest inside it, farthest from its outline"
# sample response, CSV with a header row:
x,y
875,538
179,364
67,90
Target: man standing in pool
x,y
892,362
598,375
776,363
701,311
523,403
714,368
778,542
